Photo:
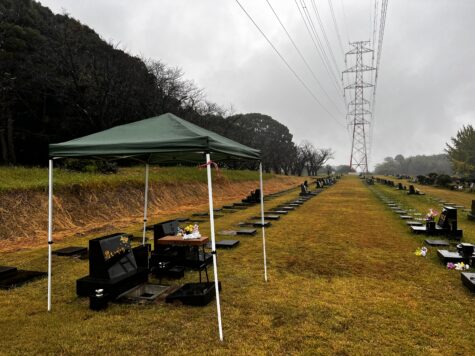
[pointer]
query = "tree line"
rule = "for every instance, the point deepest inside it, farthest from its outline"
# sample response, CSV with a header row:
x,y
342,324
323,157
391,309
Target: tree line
x,y
459,159
59,80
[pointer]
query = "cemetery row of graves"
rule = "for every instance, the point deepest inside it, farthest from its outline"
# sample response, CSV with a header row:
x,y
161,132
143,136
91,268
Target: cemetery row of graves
x,y
447,227
343,277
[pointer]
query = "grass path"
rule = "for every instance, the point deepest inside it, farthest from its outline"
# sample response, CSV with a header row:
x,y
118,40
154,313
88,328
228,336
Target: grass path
x,y
343,280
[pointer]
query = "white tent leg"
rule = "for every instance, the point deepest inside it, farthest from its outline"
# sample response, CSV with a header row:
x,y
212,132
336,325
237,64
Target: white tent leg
x,y
50,227
213,244
145,205
262,221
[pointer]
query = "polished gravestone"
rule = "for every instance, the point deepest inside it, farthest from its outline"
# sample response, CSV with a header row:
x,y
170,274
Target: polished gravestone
x,y
465,253
112,267
12,277
446,225
468,280
471,214
454,257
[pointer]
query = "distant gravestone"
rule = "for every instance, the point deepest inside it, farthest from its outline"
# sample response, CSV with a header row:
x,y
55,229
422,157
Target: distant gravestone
x,y
471,215
412,190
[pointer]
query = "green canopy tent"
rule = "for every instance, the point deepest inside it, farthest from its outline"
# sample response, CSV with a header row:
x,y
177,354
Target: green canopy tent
x,y
162,139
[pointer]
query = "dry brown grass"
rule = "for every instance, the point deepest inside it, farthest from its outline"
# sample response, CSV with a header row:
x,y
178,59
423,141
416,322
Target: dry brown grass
x,y
343,280
87,210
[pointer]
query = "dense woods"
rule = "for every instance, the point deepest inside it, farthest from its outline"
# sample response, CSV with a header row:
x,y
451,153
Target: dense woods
x,y
60,80
415,165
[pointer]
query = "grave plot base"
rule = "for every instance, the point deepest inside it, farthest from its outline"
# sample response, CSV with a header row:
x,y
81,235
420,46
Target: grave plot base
x,y
144,293
280,212
196,294
449,256
468,280
71,251
436,242
227,244
87,286
11,277
414,223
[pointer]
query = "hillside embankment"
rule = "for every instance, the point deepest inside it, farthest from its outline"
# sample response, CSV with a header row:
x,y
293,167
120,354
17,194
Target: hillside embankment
x,y
85,210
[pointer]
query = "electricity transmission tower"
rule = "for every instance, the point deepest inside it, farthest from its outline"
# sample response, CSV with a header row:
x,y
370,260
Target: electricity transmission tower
x,y
358,108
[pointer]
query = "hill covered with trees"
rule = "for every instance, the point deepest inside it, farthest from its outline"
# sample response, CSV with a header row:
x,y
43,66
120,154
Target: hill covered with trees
x,y
415,165
60,80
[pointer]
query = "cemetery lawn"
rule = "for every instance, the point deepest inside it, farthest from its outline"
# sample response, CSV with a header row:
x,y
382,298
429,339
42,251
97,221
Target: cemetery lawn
x,y
37,178
343,279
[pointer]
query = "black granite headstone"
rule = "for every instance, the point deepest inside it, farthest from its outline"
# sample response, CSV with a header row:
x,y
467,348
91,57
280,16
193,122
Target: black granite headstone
x,y
471,214
111,256
112,267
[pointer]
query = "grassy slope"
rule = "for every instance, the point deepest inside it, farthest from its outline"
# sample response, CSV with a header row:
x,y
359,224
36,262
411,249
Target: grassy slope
x,y
37,178
343,279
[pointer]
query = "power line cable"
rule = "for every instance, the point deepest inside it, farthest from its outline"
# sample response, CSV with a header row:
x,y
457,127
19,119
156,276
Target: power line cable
x,y
340,42
382,25
316,46
319,46
303,58
345,21
322,28
287,64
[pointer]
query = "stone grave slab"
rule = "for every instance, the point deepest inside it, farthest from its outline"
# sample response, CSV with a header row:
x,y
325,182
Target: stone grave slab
x,y
71,251
255,223
280,212
448,256
11,277
414,223
405,217
286,208
468,280
401,212
227,244
436,242
268,217
196,294
246,232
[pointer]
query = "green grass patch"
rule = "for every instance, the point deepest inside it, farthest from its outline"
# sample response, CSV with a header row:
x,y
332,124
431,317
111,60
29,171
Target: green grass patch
x,y
343,279
37,178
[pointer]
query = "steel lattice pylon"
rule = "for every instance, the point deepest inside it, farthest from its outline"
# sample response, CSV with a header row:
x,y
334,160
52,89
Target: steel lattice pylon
x,y
358,111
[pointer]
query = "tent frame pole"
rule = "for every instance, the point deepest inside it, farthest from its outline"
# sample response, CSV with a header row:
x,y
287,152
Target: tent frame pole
x,y
145,205
50,227
213,244
262,222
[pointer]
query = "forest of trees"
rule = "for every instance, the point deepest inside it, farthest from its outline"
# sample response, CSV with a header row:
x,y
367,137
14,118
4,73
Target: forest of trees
x,y
415,165
59,80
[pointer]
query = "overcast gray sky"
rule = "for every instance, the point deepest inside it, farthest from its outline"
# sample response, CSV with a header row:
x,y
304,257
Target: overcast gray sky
x,y
426,85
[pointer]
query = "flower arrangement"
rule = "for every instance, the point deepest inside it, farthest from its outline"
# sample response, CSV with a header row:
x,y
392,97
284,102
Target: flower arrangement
x,y
458,266
190,232
421,252
431,215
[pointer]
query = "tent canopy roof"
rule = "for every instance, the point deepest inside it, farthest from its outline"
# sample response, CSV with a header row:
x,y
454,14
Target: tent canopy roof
x,y
160,139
